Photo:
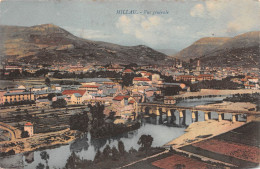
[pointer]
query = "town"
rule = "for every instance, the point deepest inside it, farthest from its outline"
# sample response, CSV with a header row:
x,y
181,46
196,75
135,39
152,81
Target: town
x,y
62,101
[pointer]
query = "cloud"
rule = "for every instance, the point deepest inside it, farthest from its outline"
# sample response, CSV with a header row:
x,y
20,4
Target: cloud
x,y
244,19
88,33
235,16
150,30
197,11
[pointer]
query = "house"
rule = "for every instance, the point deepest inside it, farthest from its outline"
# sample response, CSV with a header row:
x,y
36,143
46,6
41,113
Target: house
x,y
155,77
122,99
186,78
42,102
141,79
17,97
29,128
76,98
128,71
203,77
40,88
89,88
60,97
169,100
69,93
151,90
94,81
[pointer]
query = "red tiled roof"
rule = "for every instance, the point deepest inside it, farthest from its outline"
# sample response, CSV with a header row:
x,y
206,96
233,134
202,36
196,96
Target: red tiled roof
x,y
71,92
148,74
28,124
249,85
89,86
205,75
128,71
187,76
141,79
131,102
120,97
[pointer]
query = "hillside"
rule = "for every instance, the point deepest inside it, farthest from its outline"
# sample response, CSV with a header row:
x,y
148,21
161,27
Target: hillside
x,y
241,50
51,44
201,47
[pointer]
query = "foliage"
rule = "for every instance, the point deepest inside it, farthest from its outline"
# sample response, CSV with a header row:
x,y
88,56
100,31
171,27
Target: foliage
x,y
79,122
50,96
215,84
47,81
59,103
40,166
98,157
72,161
145,141
115,153
127,79
19,103
24,134
111,129
106,152
121,147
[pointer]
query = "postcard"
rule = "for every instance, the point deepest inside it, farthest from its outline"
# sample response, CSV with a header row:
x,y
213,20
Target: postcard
x,y
141,84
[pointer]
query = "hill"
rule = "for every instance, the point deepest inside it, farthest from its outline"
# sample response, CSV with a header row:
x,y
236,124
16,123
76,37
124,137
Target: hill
x,y
49,43
200,47
241,50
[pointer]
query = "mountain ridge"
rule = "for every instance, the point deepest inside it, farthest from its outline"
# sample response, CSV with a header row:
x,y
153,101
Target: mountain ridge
x,y
241,50
49,43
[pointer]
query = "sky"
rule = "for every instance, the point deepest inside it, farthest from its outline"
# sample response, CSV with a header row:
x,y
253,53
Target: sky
x,y
160,24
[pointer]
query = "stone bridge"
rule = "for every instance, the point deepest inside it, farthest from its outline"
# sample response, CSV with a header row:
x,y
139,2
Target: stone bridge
x,y
168,109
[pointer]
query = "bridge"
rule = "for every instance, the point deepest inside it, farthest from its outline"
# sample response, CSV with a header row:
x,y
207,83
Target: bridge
x,y
169,109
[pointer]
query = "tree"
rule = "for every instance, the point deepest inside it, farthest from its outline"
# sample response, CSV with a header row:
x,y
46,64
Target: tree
x,y
24,134
134,114
50,96
79,122
115,153
59,103
121,147
107,151
145,141
40,166
97,156
45,156
72,161
111,115
47,81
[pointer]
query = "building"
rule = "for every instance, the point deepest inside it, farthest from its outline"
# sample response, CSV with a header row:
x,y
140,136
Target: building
x,y
128,71
42,102
141,79
29,128
76,98
203,77
186,78
169,100
89,88
18,97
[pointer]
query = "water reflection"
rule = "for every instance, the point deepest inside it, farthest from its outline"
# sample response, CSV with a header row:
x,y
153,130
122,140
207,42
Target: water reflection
x,y
86,147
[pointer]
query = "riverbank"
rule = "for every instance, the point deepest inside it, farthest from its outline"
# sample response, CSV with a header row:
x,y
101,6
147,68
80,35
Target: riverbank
x,y
241,106
203,130
37,141
215,92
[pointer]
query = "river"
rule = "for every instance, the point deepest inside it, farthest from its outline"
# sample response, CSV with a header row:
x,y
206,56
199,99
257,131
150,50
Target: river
x,y
86,148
